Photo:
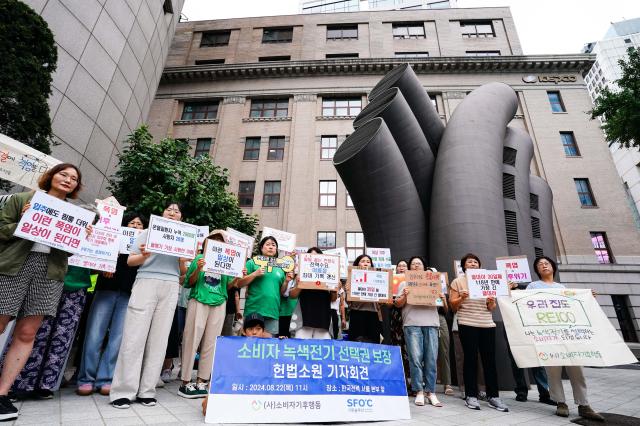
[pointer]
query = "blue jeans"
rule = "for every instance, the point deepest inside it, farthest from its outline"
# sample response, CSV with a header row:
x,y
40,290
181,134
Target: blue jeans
x,y
107,314
422,347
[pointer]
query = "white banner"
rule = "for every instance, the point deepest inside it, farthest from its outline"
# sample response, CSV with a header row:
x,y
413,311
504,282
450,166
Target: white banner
x,y
128,238
21,164
369,284
344,261
99,251
286,240
224,259
172,238
54,223
517,268
237,238
203,233
484,283
553,327
381,257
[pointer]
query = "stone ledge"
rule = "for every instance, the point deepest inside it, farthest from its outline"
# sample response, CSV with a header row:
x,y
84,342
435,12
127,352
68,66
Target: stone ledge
x,y
209,121
259,119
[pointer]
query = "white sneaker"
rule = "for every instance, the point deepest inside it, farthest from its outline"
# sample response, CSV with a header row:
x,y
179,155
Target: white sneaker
x,y
420,398
166,375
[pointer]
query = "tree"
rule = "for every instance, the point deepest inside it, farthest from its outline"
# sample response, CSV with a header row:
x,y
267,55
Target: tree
x,y
620,109
152,174
29,57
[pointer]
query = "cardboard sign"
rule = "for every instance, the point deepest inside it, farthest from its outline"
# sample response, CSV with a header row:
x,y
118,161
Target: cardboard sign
x,y
517,268
286,263
299,381
444,280
318,271
128,238
172,238
556,326
54,223
369,284
224,259
111,213
21,164
381,257
398,279
344,261
424,288
484,283
286,240
237,238
203,233
99,251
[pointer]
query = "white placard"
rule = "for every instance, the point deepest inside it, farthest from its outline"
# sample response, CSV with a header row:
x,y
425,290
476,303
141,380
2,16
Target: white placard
x,y
99,251
369,284
128,238
21,164
320,271
171,237
111,213
203,233
224,259
344,261
457,268
237,238
54,223
381,257
485,283
517,268
444,281
286,240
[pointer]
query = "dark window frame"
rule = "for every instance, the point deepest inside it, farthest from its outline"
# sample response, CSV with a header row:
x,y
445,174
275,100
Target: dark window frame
x,y
467,25
209,109
251,147
398,33
279,33
331,103
245,196
602,248
326,234
213,34
276,146
260,108
274,58
341,55
569,144
198,151
556,103
337,32
585,193
209,61
271,198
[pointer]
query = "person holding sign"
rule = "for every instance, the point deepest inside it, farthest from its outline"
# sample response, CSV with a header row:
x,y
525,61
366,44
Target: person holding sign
x,y
421,326
265,286
148,321
206,311
31,276
477,333
546,269
364,319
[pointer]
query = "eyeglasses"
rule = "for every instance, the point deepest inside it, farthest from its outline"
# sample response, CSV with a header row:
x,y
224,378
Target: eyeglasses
x,y
170,210
68,176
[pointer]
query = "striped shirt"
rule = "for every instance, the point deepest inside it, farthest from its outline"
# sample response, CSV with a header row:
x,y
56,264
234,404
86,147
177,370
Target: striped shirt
x,y
472,312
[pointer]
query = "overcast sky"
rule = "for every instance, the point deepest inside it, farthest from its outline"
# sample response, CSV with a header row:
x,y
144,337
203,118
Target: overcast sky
x,y
544,26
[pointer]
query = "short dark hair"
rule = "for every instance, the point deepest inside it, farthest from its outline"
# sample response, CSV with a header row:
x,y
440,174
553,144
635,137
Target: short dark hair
x,y
129,215
44,182
359,258
554,266
316,249
424,264
467,257
264,241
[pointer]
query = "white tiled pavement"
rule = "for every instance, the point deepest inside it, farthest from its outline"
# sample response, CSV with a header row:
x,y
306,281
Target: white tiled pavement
x,y
610,390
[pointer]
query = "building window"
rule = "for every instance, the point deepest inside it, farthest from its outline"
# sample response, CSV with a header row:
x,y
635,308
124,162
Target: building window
x,y
277,35
569,144
324,6
482,53
276,148
434,102
209,61
535,227
215,38
413,30
601,247
411,55
556,102
328,146
271,196
326,240
203,145
477,29
511,226
533,202
342,32
251,148
538,251
341,107
508,186
509,156
274,58
268,108
349,201
328,193
584,192
355,245
200,111
341,55
246,190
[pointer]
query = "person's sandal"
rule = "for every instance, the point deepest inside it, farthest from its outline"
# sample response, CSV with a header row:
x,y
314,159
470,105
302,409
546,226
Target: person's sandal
x,y
433,400
448,390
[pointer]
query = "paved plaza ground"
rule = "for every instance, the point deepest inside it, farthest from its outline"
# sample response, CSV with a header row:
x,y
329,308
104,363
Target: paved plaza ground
x,y
610,390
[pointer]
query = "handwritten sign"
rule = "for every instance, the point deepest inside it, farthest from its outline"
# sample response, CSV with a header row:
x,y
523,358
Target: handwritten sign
x,y
237,238
22,164
99,251
517,268
172,238
484,283
286,240
344,261
203,233
224,259
381,257
286,263
369,284
54,223
318,271
128,238
111,213
555,326
424,288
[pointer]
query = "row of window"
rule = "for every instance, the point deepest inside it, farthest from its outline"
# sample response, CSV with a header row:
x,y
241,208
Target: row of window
x,y
400,31
275,151
401,55
271,197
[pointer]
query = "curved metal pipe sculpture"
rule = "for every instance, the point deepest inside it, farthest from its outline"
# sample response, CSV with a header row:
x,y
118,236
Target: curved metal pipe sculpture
x,y
541,188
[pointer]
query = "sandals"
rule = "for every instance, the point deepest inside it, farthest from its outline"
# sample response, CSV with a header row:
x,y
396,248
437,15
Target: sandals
x,y
433,400
448,390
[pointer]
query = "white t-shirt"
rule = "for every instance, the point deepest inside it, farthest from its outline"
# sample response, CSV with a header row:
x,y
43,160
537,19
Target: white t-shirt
x,y
417,315
336,303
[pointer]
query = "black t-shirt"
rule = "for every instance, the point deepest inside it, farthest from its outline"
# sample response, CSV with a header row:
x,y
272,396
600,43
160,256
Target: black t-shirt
x,y
231,300
122,279
315,306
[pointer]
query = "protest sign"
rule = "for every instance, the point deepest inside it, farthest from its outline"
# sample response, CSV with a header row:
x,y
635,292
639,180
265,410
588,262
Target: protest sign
x,y
224,259
54,223
300,250
369,284
397,280
128,238
517,268
381,257
318,271
99,251
424,288
457,268
300,381
444,280
171,237
22,164
344,261
111,213
286,240
203,233
286,263
484,283
237,238
555,326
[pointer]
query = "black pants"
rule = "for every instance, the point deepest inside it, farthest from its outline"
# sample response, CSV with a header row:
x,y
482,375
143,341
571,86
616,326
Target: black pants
x,y
335,323
284,324
364,326
483,340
